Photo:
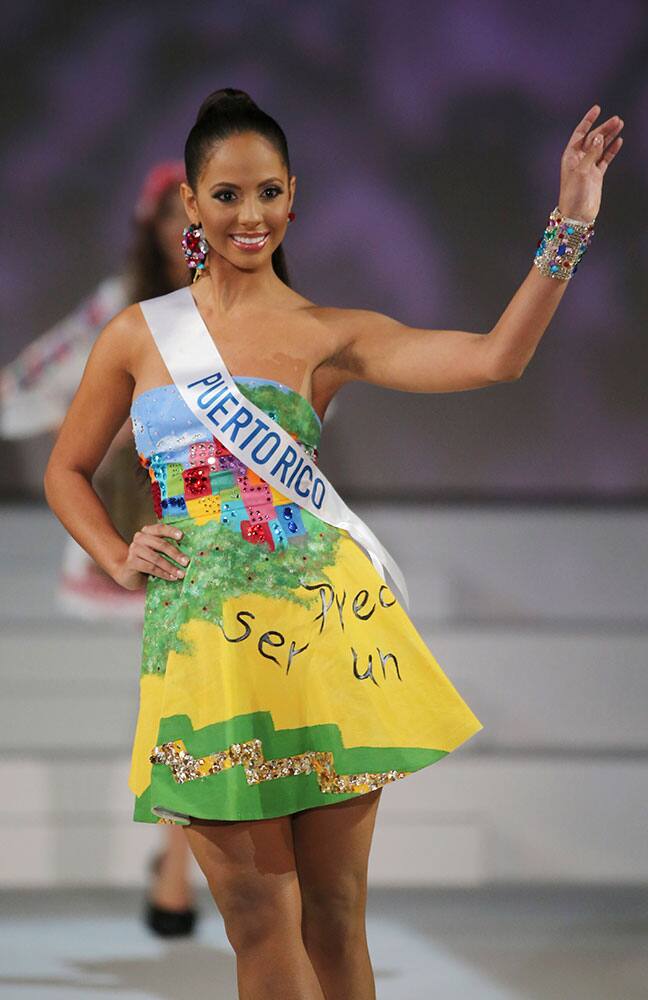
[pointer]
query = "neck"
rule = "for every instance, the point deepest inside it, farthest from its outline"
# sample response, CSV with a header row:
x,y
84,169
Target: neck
x,y
229,289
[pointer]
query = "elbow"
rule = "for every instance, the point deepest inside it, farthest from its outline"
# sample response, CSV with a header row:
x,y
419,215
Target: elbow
x,y
48,477
510,375
59,475
51,478
505,370
505,375
500,367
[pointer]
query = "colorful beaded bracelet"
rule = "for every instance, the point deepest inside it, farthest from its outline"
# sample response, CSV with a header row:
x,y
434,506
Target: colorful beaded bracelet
x,y
562,245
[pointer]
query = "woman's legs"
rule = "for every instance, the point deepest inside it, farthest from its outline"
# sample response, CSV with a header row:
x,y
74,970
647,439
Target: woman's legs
x,y
171,887
251,872
332,845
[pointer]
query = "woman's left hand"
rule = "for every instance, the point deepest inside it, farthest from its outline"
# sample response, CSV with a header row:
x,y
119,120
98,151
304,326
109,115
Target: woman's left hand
x,y
587,156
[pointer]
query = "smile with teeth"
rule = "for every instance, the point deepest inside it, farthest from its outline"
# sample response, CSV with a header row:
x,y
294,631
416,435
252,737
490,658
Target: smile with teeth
x,y
255,241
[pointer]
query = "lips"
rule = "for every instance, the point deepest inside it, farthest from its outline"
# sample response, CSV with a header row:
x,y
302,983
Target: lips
x,y
249,241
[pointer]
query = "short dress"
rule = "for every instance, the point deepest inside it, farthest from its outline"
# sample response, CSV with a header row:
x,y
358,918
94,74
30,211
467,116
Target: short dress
x,y
280,673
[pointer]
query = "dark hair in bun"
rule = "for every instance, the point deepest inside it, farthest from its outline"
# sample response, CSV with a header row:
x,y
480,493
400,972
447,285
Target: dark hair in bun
x,y
228,112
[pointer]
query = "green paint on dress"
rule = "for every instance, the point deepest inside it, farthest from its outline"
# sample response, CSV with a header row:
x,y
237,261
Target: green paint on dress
x,y
227,795
224,565
289,409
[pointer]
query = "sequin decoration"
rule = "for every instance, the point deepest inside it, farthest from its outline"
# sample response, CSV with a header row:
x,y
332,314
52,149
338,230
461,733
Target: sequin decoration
x,y
194,476
562,246
250,755
195,246
216,486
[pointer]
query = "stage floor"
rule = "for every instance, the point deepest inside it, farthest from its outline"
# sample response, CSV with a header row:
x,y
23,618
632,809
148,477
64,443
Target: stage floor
x,y
511,943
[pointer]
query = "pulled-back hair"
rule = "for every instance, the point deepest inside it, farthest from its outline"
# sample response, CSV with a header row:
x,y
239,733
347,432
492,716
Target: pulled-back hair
x,y
228,112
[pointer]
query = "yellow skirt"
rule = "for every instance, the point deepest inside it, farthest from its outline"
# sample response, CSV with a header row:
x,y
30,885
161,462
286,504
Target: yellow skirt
x,y
275,683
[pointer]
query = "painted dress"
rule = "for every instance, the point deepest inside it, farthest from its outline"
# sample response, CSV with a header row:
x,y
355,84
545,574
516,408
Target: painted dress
x,y
280,673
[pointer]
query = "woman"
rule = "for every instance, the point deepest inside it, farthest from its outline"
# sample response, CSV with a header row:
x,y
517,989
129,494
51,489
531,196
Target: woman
x,y
282,683
35,392
36,388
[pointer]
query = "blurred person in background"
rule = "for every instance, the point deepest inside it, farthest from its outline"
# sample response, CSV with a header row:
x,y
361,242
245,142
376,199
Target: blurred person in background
x,y
35,392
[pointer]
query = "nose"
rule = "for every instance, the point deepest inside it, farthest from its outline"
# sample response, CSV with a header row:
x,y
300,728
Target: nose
x,y
250,213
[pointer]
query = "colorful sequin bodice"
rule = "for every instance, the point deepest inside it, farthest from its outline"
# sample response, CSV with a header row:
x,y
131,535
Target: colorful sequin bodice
x,y
194,476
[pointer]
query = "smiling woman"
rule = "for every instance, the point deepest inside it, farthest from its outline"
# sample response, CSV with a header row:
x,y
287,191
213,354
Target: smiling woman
x,y
283,685
249,212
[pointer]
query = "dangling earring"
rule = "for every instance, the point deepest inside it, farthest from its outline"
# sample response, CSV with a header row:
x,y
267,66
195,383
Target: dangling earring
x,y
291,216
195,248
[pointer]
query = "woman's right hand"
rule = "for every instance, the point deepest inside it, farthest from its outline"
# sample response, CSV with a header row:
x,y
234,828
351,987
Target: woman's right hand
x,y
146,556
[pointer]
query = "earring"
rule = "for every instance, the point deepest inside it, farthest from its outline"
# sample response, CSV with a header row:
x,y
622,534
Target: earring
x,y
195,248
291,216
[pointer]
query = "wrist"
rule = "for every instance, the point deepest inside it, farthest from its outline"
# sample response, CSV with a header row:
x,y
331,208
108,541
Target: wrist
x,y
572,213
562,245
114,563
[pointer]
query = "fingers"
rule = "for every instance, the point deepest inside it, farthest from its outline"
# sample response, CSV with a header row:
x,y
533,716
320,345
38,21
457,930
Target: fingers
x,y
582,138
157,567
160,528
609,128
593,145
160,567
148,550
609,154
584,126
146,561
159,545
610,139
155,538
603,138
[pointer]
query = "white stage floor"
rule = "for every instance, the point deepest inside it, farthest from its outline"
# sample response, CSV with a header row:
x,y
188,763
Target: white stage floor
x,y
516,943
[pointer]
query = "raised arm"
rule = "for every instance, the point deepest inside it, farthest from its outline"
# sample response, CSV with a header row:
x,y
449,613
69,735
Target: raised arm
x,y
381,350
98,410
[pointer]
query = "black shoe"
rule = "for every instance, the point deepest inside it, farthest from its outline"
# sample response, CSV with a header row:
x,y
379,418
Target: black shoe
x,y
164,922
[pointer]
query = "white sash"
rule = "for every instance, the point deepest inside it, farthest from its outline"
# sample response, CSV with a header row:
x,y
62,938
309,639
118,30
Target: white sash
x,y
204,382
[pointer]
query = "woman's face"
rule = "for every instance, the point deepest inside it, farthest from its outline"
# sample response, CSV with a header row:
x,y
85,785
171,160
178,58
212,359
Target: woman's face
x,y
243,190
170,220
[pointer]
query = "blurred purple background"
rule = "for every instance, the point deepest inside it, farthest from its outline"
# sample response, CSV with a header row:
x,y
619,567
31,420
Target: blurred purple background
x,y
436,130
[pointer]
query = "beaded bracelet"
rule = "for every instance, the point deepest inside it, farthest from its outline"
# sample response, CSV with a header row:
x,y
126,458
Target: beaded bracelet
x,y
562,245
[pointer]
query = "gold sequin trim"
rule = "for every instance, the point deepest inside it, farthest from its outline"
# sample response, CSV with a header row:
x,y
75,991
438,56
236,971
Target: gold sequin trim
x,y
250,756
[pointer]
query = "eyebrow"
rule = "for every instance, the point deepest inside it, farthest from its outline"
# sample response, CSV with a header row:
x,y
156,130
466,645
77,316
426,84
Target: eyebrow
x,y
230,184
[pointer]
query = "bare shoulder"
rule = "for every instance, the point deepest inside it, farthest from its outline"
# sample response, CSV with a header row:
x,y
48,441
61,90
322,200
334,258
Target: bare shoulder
x,y
128,322
122,337
348,324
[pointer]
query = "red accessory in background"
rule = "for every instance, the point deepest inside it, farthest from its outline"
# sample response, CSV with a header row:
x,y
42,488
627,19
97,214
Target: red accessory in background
x,y
157,182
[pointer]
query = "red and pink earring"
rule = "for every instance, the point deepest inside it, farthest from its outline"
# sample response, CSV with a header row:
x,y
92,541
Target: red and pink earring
x,y
195,248
291,216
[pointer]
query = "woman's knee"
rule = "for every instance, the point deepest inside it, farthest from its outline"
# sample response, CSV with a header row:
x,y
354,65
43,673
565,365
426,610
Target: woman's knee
x,y
254,911
333,912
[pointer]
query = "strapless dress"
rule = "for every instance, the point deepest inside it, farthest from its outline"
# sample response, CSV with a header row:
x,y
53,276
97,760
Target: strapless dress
x,y
281,672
